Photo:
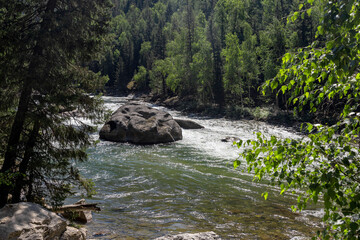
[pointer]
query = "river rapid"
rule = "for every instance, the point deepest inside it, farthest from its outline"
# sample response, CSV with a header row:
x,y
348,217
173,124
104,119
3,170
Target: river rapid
x,y
188,186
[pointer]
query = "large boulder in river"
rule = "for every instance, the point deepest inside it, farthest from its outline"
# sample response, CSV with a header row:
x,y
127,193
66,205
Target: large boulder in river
x,y
140,124
30,221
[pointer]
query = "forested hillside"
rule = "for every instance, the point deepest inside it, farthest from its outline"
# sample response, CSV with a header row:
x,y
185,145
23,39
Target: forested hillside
x,y
213,51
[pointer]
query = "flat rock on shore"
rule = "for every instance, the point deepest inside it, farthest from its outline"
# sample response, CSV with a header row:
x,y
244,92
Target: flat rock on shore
x,y
30,221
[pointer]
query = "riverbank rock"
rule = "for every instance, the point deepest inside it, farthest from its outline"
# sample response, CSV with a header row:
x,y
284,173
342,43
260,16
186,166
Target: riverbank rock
x,y
80,215
192,236
140,124
72,233
188,124
30,221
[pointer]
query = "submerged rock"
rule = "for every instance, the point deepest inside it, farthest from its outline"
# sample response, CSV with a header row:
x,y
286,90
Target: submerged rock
x,y
192,236
72,233
140,124
30,221
230,139
188,124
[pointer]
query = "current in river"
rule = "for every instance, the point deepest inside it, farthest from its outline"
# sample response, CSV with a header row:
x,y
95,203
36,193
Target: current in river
x,y
189,186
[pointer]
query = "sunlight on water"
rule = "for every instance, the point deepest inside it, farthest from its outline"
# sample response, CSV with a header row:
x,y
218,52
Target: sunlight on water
x,y
188,186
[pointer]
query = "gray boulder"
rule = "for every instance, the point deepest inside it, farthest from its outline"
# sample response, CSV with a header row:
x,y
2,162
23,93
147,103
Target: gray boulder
x,y
192,236
30,221
140,124
188,124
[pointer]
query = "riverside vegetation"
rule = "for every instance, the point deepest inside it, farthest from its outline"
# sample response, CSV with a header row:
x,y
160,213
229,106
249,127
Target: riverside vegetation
x,y
213,52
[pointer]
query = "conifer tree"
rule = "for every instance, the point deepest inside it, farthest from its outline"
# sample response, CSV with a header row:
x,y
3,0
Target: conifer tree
x,y
48,43
218,85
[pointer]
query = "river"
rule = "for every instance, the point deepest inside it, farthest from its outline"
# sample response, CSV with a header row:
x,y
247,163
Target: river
x,y
188,186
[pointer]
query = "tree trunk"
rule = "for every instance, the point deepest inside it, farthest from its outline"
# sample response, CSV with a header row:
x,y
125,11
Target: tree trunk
x,y
25,162
164,86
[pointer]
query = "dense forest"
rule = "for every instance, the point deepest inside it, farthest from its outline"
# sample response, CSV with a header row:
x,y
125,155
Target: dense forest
x,y
214,52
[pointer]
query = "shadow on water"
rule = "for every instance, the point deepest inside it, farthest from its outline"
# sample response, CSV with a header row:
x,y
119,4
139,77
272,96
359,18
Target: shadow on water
x,y
188,186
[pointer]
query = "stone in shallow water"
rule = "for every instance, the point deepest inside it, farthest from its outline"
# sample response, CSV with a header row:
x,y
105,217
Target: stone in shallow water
x,y
230,139
188,124
72,233
140,124
192,236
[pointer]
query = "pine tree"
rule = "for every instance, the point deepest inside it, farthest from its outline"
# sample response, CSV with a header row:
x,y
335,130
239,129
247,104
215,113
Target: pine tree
x,y
49,43
189,51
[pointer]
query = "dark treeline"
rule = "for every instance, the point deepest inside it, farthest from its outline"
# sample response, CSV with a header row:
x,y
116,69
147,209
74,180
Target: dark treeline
x,y
215,51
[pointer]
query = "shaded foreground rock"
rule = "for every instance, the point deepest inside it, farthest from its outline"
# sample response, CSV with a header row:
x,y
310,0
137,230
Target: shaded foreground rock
x,y
140,124
30,221
188,124
192,236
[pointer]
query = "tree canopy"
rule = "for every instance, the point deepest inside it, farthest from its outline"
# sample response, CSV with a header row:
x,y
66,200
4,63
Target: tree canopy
x,y
197,39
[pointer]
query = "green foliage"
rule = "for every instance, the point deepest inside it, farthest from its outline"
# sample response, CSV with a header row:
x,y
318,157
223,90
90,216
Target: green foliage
x,y
272,47
88,185
162,77
203,66
140,78
325,164
240,68
232,67
7,178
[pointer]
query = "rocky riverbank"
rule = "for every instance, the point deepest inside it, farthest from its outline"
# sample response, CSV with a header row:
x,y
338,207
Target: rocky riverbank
x,y
31,221
269,114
